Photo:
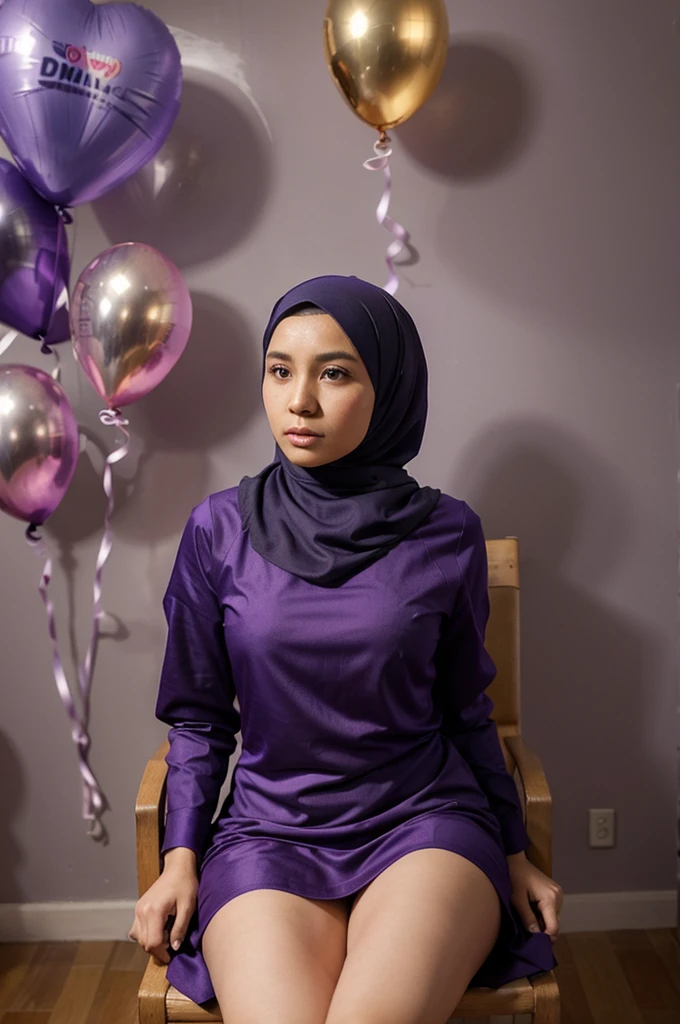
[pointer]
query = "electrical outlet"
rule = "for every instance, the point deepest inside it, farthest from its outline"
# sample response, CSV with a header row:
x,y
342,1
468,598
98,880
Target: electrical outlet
x,y
602,826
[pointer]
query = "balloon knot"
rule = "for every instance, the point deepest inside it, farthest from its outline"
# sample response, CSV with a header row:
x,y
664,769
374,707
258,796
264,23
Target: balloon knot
x,y
113,418
31,535
65,214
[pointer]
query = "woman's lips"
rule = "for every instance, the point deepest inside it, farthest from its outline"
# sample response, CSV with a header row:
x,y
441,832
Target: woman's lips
x,y
303,440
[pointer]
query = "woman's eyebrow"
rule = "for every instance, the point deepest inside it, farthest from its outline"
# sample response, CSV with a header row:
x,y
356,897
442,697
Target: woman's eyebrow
x,y
322,358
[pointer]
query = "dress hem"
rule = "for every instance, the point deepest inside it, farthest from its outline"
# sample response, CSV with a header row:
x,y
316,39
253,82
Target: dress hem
x,y
489,978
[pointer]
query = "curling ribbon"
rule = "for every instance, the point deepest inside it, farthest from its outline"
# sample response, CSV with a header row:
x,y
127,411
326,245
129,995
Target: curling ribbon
x,y
94,801
8,340
381,162
111,418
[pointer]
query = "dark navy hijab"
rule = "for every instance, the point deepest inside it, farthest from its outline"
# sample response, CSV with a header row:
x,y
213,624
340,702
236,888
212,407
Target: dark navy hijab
x,y
326,523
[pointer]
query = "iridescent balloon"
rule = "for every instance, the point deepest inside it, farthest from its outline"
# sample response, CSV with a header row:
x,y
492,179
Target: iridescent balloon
x,y
34,261
130,321
38,443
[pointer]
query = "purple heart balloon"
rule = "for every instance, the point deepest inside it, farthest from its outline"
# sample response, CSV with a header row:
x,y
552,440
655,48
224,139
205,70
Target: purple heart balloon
x,y
38,443
34,261
88,93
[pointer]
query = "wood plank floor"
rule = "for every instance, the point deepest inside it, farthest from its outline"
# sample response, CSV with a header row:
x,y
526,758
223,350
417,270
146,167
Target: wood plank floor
x,y
620,977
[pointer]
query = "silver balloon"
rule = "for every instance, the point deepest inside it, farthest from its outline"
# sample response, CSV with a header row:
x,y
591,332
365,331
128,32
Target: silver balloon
x,y
38,443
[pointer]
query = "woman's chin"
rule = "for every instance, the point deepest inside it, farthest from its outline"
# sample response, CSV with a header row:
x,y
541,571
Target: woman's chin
x,y
305,458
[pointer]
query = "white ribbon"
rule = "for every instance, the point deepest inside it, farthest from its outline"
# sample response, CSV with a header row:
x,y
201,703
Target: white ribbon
x,y
7,340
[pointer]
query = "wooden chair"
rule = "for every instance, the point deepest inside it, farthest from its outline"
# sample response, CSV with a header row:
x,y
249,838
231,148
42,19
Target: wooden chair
x,y
536,999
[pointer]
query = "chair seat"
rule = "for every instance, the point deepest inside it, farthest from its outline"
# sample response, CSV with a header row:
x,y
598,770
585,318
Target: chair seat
x,y
515,997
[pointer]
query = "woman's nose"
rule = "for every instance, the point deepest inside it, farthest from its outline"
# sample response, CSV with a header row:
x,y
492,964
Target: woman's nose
x,y
303,400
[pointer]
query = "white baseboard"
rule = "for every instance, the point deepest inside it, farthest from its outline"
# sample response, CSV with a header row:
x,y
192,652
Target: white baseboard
x,y
607,911
67,921
112,919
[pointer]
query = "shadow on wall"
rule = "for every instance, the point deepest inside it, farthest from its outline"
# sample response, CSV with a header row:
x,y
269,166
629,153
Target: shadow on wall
x,y
479,118
585,663
477,122
206,187
205,401
577,229
12,800
208,398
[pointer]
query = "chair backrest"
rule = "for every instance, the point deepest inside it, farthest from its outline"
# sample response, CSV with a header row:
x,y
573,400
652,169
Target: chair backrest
x,y
502,632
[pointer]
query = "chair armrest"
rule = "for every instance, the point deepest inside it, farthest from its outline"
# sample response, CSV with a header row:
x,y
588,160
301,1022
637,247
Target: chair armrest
x,y
152,994
150,818
537,802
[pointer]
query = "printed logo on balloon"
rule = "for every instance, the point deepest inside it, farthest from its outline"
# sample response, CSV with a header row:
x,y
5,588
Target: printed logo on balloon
x,y
95,64
86,98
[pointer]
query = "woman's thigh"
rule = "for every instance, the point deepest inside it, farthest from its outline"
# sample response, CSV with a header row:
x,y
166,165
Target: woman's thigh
x,y
275,956
417,934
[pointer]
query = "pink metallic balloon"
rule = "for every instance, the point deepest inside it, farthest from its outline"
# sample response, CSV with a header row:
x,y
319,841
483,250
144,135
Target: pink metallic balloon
x,y
130,321
38,443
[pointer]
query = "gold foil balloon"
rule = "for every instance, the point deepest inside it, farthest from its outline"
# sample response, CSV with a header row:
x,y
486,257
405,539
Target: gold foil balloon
x,y
386,55
130,319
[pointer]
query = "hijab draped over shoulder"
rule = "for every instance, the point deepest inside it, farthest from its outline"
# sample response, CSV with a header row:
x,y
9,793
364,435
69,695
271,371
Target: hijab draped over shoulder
x,y
327,523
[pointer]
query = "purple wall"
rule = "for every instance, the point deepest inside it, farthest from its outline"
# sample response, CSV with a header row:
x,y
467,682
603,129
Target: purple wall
x,y
540,185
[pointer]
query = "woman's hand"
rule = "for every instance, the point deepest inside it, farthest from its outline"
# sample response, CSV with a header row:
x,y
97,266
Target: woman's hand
x,y
173,894
530,885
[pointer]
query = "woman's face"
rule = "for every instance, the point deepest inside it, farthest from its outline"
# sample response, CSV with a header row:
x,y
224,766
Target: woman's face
x,y
315,378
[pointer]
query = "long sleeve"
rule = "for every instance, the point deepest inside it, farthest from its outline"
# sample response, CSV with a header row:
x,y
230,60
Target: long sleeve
x,y
196,691
464,670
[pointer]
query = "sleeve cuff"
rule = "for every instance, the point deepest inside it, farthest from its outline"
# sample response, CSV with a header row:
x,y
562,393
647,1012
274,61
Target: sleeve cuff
x,y
515,838
186,826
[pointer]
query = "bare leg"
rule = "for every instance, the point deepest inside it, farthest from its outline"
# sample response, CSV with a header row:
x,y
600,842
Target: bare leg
x,y
275,956
417,935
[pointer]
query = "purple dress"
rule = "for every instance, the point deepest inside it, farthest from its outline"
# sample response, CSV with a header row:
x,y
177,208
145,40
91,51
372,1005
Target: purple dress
x,y
365,726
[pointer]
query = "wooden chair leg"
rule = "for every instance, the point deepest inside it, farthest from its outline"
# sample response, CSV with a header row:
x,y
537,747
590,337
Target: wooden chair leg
x,y
547,995
152,992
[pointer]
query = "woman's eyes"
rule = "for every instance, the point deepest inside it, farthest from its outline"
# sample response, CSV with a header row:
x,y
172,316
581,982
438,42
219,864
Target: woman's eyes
x,y
333,369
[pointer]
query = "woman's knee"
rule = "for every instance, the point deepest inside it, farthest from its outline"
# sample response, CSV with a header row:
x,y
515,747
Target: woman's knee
x,y
275,956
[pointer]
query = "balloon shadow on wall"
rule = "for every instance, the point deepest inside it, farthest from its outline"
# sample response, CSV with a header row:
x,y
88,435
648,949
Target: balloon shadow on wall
x,y
205,188
207,397
206,400
80,513
479,118
585,662
565,239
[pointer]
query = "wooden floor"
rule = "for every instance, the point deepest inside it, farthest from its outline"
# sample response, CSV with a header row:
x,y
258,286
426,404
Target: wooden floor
x,y
624,977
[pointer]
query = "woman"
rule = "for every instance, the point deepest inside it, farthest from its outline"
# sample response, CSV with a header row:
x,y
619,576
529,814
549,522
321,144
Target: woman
x,y
369,861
